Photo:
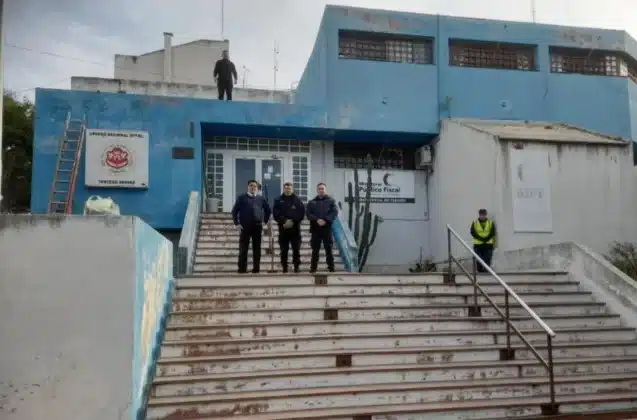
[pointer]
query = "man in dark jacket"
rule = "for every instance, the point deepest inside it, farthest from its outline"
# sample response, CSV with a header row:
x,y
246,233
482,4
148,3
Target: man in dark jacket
x,y
484,235
225,75
249,213
289,212
321,212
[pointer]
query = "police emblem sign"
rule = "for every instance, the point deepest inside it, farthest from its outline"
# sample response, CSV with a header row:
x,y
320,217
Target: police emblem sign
x,y
116,159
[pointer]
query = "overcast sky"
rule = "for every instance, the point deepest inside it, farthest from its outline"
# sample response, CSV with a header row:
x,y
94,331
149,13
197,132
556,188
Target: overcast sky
x,y
48,41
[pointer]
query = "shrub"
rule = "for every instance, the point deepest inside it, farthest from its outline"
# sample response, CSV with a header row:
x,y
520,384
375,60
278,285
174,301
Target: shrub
x,y
623,255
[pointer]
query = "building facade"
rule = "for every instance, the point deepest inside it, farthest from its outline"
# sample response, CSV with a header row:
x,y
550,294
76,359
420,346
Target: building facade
x,y
377,84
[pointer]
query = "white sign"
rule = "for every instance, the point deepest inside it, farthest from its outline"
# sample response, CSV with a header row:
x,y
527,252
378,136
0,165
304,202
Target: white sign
x,y
531,189
387,186
116,158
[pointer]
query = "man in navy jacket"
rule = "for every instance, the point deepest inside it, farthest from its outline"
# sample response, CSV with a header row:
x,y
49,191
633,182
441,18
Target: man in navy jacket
x,y
249,213
321,212
289,212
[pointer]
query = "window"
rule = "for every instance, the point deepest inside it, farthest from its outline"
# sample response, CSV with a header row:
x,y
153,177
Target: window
x,y
592,62
376,46
254,144
300,176
214,176
492,55
354,156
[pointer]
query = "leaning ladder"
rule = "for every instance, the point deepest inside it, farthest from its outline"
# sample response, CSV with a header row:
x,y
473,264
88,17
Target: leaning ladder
x,y
67,166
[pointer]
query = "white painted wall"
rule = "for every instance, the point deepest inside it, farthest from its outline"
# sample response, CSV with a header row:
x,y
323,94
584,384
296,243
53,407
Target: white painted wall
x,y
592,191
191,63
183,90
402,237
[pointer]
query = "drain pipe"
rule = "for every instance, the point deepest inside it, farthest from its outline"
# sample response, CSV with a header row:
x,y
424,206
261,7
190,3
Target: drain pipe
x,y
168,57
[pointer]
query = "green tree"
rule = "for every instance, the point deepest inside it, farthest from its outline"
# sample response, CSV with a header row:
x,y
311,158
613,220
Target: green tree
x,y
17,152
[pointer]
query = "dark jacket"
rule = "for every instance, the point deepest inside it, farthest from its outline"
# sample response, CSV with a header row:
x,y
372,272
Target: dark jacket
x,y
250,210
224,70
288,207
321,208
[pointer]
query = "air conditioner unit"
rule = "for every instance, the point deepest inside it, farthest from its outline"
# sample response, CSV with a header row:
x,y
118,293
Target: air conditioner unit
x,y
424,157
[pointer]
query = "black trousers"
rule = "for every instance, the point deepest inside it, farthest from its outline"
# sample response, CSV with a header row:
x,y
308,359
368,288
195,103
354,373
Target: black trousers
x,y
252,233
290,237
224,88
322,236
484,251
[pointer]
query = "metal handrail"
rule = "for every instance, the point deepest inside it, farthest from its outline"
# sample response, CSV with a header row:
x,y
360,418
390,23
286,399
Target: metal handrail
x,y
550,334
269,231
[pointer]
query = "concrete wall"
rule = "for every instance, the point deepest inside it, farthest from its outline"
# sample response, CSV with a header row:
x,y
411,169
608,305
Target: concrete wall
x,y
78,327
404,224
592,191
408,97
171,122
192,63
184,90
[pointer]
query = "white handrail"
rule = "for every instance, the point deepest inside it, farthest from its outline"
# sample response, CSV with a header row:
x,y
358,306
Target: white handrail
x,y
506,287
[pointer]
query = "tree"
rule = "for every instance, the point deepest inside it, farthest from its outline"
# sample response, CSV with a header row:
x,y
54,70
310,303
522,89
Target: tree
x,y
17,153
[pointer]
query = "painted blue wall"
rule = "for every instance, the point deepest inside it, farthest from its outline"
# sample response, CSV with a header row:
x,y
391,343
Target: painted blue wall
x,y
168,120
409,97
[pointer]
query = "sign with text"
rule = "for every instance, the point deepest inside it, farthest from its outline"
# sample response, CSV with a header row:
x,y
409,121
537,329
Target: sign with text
x,y
387,186
531,191
116,159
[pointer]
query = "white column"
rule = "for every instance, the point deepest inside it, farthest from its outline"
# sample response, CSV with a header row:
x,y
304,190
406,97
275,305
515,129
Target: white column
x,y
168,57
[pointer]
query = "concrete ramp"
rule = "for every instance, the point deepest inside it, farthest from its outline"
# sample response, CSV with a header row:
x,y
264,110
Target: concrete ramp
x,y
80,305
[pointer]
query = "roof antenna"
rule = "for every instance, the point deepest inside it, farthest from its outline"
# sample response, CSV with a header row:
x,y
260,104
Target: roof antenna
x,y
533,14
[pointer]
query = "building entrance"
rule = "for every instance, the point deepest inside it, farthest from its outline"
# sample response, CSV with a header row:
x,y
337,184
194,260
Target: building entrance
x,y
266,170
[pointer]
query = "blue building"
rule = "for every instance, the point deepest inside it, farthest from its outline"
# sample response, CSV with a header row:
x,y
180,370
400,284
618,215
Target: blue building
x,y
377,83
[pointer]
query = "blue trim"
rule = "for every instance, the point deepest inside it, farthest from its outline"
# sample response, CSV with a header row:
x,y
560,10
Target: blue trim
x,y
188,238
346,243
154,284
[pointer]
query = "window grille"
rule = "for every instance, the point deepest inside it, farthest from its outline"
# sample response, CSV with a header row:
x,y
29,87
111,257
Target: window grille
x,y
490,55
354,156
385,47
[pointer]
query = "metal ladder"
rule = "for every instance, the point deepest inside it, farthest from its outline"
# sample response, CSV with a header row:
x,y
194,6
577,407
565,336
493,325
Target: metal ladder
x,y
66,168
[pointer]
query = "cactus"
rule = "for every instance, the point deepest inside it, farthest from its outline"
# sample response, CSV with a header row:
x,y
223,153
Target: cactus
x,y
366,236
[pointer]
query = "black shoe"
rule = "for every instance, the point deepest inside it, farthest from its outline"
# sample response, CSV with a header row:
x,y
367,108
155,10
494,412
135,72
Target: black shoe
x,y
331,270
242,271
297,269
255,271
284,270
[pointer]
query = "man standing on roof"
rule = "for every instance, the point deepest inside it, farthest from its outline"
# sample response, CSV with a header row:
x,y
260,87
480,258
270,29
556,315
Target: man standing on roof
x,y
225,75
483,233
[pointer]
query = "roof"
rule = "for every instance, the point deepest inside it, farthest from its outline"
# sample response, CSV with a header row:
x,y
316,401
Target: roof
x,y
540,132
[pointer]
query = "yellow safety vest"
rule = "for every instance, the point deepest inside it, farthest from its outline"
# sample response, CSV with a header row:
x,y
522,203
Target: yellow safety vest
x,y
483,232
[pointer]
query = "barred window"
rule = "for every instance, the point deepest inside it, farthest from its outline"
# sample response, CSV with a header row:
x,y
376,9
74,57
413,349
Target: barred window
x,y
354,156
586,61
376,46
492,55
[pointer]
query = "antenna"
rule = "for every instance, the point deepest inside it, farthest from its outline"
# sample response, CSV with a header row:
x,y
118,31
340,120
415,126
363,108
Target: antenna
x,y
222,20
533,15
276,61
245,72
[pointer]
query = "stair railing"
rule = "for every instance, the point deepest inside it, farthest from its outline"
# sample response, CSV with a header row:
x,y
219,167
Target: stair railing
x,y
506,317
270,232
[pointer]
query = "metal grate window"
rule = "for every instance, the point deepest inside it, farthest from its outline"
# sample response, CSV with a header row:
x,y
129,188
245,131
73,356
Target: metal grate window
x,y
301,176
492,55
591,62
354,156
255,144
376,46
214,176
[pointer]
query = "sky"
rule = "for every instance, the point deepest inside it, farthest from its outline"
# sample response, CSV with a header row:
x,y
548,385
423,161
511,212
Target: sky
x,y
49,41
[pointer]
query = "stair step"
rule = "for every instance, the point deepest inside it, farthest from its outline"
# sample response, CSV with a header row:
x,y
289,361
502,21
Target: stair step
x,y
231,267
372,313
364,289
336,301
442,409
232,363
182,348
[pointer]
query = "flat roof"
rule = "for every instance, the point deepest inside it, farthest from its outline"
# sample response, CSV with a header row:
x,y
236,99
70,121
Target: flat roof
x,y
539,132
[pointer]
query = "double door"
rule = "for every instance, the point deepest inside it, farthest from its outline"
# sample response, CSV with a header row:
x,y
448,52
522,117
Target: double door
x,y
267,170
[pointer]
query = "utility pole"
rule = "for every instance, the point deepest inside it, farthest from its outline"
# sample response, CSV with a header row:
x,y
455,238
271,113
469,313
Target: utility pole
x,y
1,92
276,61
533,10
223,33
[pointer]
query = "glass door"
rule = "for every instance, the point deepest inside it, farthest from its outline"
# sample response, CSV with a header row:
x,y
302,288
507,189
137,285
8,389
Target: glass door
x,y
268,171
271,179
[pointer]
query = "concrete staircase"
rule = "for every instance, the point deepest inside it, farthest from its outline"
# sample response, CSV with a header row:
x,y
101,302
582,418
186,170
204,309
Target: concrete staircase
x,y
362,347
218,248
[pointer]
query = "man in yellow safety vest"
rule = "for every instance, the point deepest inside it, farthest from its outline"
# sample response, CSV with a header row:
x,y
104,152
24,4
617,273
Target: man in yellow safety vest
x,y
483,233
